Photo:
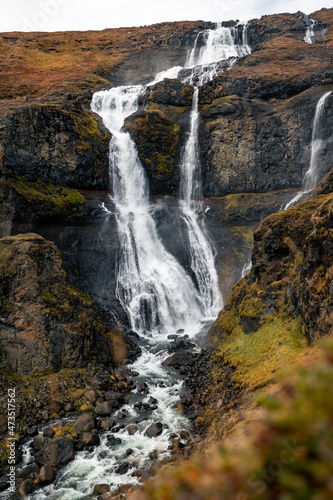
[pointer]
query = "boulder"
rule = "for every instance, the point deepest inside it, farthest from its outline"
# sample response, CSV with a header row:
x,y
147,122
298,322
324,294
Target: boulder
x,y
154,430
26,488
91,395
47,475
132,429
56,453
113,441
48,432
85,423
100,489
90,439
38,442
103,409
106,425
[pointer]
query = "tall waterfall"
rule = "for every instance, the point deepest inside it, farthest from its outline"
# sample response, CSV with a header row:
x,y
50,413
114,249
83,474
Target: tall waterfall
x,y
220,45
201,249
151,285
317,142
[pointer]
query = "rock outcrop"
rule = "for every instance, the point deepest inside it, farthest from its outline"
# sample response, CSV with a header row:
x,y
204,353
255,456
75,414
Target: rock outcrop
x,y
59,144
254,145
159,133
291,278
45,323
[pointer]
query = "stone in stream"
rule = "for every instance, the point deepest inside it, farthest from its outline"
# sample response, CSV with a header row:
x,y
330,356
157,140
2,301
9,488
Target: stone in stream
x,y
123,468
154,430
106,425
56,453
182,344
47,475
26,487
84,423
103,409
129,452
185,435
100,489
113,441
90,439
142,386
132,429
39,442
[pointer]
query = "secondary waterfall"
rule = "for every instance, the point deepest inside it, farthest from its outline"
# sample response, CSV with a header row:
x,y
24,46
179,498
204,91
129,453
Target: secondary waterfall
x,y
309,34
158,295
317,143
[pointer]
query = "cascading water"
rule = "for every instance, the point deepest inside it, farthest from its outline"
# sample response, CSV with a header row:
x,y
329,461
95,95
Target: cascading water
x,y
151,285
309,34
222,44
158,295
201,252
317,143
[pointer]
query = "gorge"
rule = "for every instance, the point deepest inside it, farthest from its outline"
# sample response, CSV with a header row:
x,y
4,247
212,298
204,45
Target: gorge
x,y
154,180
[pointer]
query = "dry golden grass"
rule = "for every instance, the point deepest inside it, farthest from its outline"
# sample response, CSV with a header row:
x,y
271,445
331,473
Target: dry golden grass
x,y
32,64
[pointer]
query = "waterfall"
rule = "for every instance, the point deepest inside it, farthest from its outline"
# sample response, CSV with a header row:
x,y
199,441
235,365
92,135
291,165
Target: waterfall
x,y
220,45
159,297
152,287
247,267
311,176
201,248
309,34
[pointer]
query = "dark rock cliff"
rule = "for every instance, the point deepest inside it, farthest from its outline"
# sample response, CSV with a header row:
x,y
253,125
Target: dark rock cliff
x,y
291,275
61,144
45,323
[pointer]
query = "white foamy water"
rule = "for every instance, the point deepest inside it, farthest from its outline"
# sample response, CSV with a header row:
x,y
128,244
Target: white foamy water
x,y
309,33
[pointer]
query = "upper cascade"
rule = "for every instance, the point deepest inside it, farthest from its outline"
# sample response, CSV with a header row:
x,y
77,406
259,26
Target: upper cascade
x,y
309,34
216,46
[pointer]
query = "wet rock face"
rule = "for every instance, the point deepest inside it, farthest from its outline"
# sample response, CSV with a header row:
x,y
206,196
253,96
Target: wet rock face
x,y
46,323
57,144
159,134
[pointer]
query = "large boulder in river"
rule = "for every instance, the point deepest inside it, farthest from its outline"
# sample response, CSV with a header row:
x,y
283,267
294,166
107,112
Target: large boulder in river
x,y
85,423
47,475
154,430
56,453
